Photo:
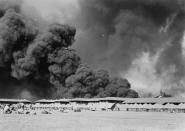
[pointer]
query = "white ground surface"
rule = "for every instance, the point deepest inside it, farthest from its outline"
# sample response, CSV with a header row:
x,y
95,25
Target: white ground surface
x,y
94,121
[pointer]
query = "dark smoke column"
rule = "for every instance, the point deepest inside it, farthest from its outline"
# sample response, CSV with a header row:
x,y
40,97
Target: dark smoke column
x,y
40,62
32,58
49,57
89,83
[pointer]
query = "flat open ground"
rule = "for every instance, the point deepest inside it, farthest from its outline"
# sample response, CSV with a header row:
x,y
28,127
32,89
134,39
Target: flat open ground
x,y
94,121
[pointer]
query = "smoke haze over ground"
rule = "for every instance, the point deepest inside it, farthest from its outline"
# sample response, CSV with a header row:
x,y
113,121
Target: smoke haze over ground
x,y
141,40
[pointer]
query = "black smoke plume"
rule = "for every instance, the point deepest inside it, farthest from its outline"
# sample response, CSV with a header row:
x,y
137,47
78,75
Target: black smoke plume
x,y
39,62
89,83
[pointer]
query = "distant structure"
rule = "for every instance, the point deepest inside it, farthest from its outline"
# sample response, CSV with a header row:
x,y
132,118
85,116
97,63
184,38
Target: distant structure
x,y
167,104
14,101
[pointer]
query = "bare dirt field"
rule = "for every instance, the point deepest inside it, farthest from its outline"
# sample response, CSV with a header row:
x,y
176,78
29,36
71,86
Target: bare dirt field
x,y
94,121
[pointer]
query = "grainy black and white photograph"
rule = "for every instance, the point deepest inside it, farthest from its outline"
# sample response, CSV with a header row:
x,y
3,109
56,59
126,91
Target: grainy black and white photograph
x,y
92,65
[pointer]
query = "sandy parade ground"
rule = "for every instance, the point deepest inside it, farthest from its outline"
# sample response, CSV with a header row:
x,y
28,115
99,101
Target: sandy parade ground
x,y
94,121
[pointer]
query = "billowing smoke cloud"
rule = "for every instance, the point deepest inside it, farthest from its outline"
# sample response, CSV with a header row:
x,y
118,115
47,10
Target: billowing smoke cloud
x,y
32,59
133,39
89,83
117,34
36,60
